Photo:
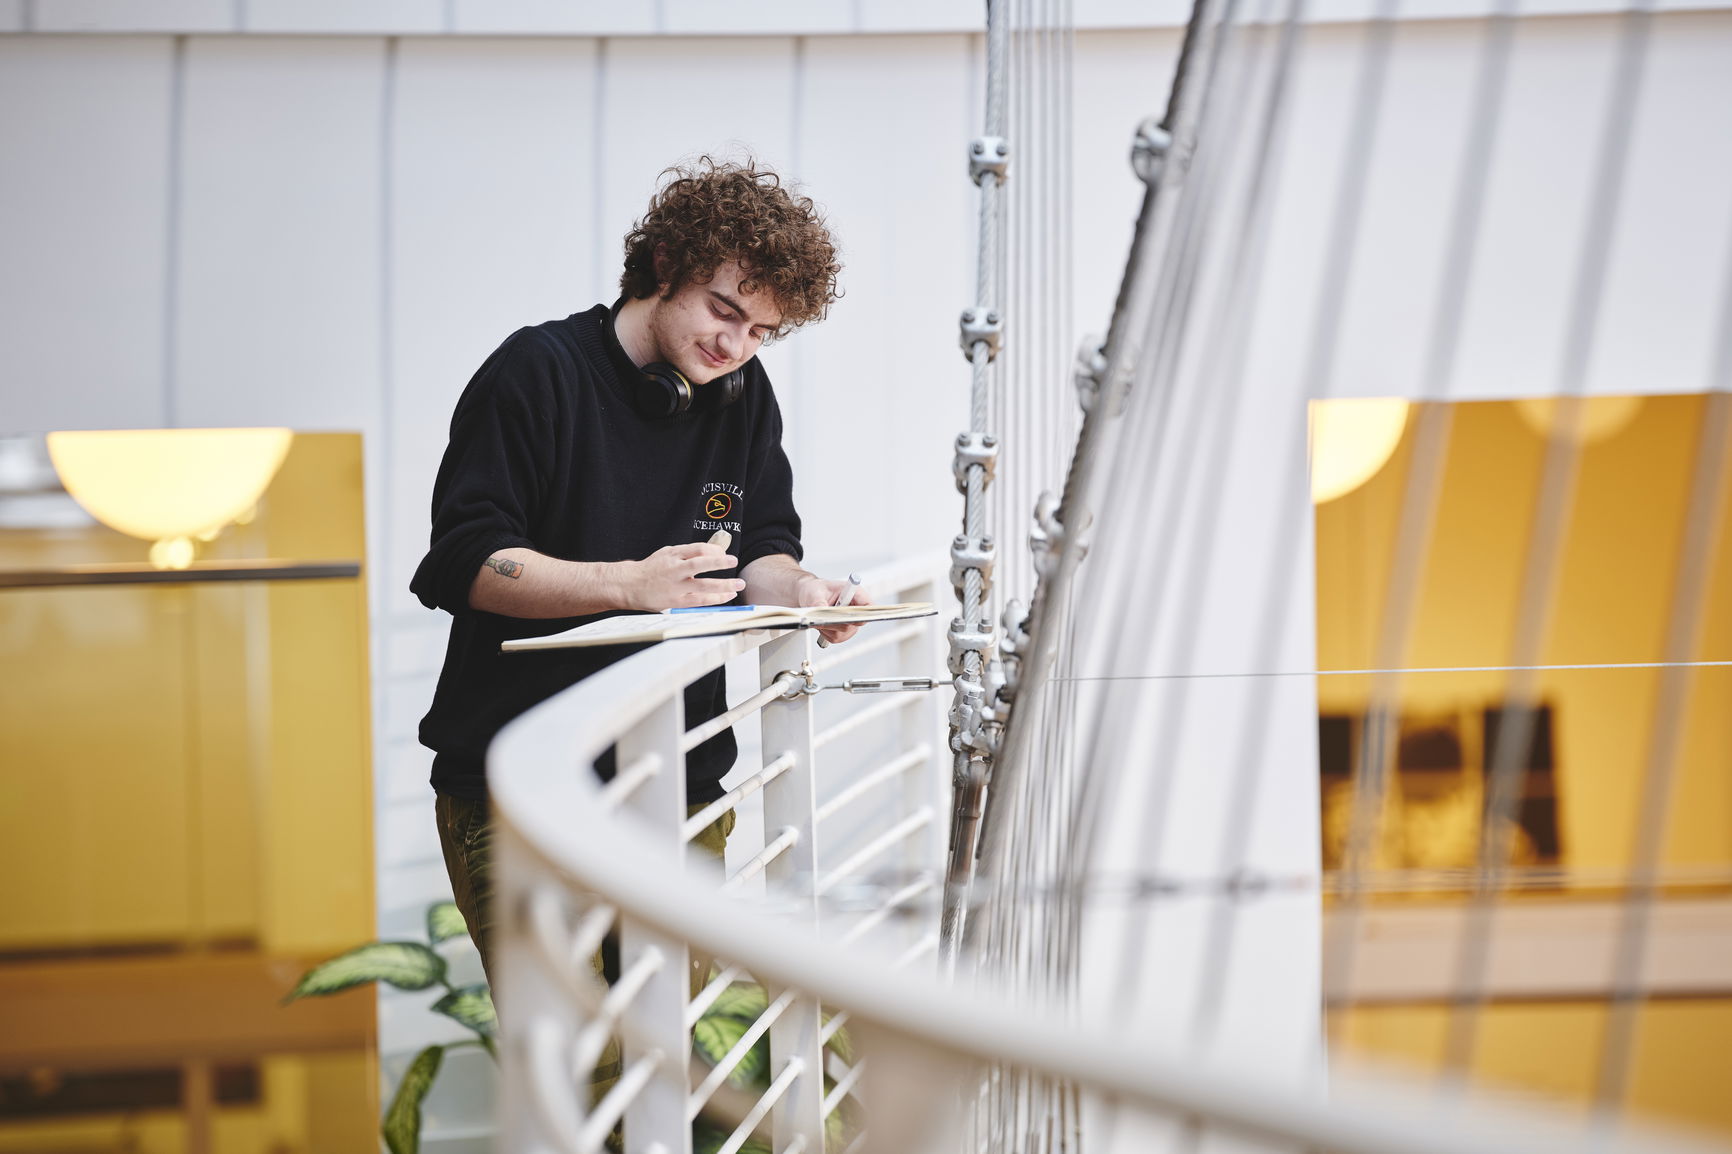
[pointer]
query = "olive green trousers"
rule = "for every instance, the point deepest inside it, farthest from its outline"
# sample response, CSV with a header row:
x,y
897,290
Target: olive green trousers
x,y
466,837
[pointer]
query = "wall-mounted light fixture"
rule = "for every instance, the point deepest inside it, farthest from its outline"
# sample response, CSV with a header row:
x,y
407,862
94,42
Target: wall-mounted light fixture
x,y
1351,439
171,487
1596,418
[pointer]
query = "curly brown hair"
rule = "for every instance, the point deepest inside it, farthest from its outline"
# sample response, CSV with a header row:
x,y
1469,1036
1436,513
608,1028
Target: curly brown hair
x,y
708,213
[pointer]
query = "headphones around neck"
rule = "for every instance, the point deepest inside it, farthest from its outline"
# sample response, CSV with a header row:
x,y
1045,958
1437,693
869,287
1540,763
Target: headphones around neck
x,y
662,391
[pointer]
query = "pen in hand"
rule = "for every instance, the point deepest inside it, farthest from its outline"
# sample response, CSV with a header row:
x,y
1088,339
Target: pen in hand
x,y
846,597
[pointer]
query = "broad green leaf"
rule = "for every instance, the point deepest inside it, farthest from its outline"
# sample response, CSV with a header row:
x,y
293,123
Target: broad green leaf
x,y
444,922
840,1044
707,1138
716,1034
406,965
473,1006
742,1000
402,1128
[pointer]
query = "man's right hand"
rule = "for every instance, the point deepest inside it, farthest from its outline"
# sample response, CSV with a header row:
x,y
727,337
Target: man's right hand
x,y
668,578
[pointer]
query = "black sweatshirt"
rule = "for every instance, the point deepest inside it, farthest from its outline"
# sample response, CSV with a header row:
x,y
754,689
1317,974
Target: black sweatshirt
x,y
548,453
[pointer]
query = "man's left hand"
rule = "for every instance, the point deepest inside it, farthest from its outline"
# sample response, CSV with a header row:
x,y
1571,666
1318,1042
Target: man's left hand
x,y
813,591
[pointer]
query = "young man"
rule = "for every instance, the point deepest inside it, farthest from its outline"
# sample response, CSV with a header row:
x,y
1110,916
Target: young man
x,y
591,461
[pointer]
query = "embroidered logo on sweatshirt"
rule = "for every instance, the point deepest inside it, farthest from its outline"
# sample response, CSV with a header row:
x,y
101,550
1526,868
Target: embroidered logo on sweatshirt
x,y
719,504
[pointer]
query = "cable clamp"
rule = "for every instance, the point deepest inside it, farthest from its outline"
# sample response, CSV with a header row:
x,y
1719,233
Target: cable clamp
x,y
1149,149
1014,623
1046,539
964,641
988,154
969,734
968,553
1090,372
797,683
974,449
981,326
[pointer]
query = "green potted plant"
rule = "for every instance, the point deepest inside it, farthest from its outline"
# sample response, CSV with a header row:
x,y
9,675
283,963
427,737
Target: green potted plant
x,y
418,966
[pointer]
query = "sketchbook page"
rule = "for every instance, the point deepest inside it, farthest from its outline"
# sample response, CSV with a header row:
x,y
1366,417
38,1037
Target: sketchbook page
x,y
621,630
851,614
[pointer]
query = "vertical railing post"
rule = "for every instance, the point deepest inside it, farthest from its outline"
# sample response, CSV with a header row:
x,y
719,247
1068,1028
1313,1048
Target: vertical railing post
x,y
657,1116
790,803
929,784
540,1016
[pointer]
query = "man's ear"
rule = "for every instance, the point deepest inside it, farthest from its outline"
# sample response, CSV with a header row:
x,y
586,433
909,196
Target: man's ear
x,y
664,274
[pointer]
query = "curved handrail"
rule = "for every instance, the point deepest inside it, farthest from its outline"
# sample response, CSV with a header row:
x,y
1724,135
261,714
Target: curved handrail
x,y
540,799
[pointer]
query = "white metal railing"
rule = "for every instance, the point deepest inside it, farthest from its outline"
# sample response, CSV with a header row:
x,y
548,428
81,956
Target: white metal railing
x,y
577,858
560,1017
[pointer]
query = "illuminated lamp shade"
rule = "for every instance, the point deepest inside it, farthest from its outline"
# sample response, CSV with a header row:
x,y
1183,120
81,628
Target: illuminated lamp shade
x,y
169,486
1600,418
1350,441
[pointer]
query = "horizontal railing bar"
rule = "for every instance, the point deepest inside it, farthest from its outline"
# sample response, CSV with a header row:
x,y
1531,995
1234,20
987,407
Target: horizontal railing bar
x,y
592,1039
697,735
883,640
889,772
841,1090
626,781
696,823
783,843
766,1102
863,717
708,995
891,904
560,948
725,1065
613,1105
620,994
914,953
833,1027
914,821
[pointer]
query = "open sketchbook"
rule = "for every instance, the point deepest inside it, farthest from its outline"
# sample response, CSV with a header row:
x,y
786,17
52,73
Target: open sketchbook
x,y
634,628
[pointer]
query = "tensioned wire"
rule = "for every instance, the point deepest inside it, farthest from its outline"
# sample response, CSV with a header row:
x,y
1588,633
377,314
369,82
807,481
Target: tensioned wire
x,y
1450,299
1140,561
1552,509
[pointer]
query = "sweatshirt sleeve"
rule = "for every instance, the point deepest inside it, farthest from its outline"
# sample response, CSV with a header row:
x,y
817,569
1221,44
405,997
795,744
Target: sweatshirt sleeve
x,y
489,488
772,525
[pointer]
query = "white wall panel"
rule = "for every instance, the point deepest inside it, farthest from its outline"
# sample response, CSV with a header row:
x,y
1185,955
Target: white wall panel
x,y
1667,296
883,386
669,99
495,173
1120,79
351,16
752,17
11,15
84,130
279,310
134,15
1536,210
568,17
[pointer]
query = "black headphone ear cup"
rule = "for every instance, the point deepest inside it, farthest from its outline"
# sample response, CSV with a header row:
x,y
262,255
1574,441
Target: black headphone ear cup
x,y
662,391
732,386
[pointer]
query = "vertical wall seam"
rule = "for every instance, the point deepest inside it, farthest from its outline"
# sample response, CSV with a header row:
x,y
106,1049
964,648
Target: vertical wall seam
x,y
239,10
801,359
387,298
29,15
450,16
172,237
380,542
598,212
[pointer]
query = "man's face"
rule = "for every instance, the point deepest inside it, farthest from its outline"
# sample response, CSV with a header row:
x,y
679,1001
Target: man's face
x,y
708,330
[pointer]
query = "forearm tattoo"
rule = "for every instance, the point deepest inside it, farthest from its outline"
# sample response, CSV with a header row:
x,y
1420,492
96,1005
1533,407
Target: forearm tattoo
x,y
505,567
